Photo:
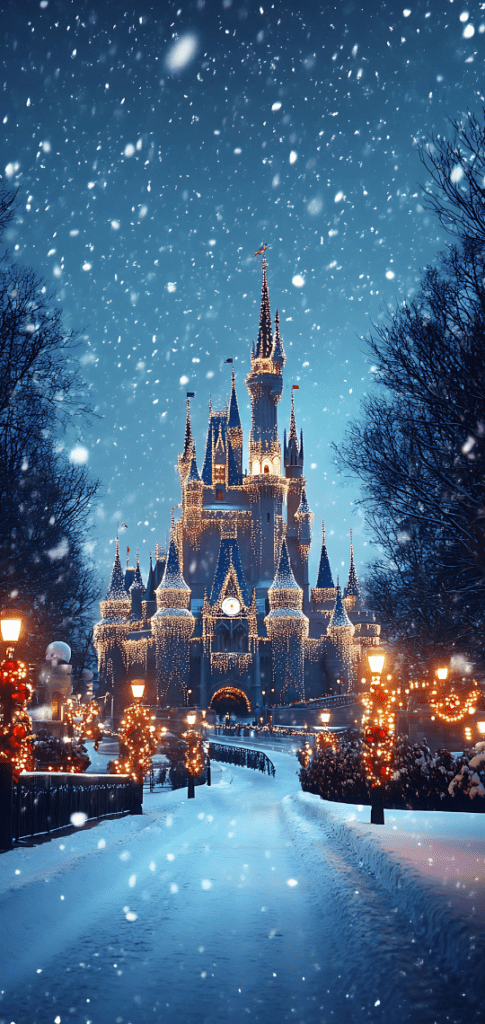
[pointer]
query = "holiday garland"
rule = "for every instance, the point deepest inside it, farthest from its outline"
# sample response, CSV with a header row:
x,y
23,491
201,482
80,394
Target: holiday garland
x,y
16,737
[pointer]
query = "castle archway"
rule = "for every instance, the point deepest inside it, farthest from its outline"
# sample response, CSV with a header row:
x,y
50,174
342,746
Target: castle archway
x,y
230,700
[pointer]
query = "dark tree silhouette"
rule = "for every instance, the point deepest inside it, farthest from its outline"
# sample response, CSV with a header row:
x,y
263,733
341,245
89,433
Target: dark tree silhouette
x,y
419,446
45,499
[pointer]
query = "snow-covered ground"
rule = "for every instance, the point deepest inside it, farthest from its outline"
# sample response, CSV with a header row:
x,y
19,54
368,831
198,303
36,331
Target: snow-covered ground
x,y
253,900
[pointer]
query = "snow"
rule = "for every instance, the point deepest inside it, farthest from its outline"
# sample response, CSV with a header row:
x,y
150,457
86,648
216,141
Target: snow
x,y
253,899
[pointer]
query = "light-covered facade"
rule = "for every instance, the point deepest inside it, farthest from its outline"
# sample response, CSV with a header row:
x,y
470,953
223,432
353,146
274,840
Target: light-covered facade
x,y
227,612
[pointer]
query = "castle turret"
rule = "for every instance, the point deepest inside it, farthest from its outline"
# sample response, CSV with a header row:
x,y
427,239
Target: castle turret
x,y
340,632
324,592
287,628
173,626
110,632
265,384
192,499
304,517
136,593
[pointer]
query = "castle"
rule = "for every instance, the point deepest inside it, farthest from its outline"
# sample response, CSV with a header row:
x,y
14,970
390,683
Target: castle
x,y
227,617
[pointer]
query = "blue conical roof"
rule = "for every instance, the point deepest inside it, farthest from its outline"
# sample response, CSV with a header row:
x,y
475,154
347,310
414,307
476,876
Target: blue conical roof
x,y
172,577
324,581
194,472
278,350
116,589
233,419
339,615
229,554
284,578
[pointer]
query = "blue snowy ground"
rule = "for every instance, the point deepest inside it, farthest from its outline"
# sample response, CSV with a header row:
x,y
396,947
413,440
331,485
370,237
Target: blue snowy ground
x,y
251,901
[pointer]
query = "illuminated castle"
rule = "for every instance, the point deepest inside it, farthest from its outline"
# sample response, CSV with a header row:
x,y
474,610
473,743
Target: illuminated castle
x,y
227,613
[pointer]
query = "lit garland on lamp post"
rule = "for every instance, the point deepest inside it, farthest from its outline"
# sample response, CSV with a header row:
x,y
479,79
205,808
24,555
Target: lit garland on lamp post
x,y
138,735
16,736
325,739
194,754
378,726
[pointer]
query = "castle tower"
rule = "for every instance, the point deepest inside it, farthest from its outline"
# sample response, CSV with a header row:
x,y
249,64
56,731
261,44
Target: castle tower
x,y
299,516
173,626
340,632
287,628
265,384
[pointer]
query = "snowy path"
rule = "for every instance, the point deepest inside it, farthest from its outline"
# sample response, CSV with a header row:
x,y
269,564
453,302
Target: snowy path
x,y
218,909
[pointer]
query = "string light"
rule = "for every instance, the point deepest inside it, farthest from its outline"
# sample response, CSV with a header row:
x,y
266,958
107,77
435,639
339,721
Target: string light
x,y
138,735
16,735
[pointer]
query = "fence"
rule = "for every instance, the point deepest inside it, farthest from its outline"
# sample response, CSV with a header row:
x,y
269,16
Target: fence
x,y
243,756
42,803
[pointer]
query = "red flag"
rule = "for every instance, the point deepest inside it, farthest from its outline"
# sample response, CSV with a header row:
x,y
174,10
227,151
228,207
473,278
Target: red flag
x,y
295,387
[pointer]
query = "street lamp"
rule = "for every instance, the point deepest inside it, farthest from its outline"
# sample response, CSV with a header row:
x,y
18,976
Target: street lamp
x,y
378,723
442,673
138,688
194,754
481,728
376,658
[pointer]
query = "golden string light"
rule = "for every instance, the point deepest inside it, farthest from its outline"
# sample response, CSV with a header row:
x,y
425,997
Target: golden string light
x,y
16,735
138,735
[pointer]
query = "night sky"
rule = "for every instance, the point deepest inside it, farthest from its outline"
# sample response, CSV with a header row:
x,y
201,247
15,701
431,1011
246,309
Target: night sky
x,y
157,146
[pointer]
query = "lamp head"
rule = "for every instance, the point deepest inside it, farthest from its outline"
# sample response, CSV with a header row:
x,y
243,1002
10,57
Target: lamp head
x,y
191,718
325,717
376,657
10,624
442,673
481,728
138,688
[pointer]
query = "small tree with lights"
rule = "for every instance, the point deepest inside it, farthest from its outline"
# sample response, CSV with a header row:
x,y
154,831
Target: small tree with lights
x,y
138,736
16,736
84,721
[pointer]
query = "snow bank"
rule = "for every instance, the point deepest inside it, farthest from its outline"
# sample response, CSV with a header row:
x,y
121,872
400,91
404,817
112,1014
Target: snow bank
x,y
431,863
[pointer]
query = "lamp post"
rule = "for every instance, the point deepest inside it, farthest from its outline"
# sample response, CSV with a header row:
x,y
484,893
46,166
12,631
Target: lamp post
x,y
194,754
325,738
378,728
481,728
15,723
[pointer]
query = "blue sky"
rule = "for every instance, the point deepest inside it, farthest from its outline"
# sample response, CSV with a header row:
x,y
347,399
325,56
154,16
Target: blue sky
x,y
157,146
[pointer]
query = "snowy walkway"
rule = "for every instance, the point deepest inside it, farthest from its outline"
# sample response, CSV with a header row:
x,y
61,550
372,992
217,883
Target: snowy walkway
x,y
248,901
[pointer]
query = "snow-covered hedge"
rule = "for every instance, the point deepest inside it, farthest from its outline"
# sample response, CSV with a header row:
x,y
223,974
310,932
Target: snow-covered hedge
x,y
421,780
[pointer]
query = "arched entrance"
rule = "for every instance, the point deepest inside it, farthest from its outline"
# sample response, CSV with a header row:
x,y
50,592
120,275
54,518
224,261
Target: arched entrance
x,y
230,700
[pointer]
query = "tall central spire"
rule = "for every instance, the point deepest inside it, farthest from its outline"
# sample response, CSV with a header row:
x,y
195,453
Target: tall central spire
x,y
264,346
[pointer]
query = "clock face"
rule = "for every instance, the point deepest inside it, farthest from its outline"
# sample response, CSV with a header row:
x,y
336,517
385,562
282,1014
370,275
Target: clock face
x,y
230,606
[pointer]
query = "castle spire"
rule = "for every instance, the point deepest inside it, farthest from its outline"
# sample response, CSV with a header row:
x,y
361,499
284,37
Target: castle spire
x,y
233,418
279,356
264,345
324,581
116,589
353,586
189,440
339,615
293,452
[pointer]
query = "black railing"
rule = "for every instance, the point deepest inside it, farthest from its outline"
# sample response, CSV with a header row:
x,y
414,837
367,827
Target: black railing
x,y
243,756
43,803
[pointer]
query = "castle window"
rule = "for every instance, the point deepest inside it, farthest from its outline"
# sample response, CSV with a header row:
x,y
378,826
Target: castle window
x,y
256,467
266,468
218,494
268,517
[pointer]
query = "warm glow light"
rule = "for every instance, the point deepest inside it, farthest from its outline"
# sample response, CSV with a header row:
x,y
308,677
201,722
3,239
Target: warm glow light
x,y
10,626
191,718
481,728
376,658
325,717
138,688
442,673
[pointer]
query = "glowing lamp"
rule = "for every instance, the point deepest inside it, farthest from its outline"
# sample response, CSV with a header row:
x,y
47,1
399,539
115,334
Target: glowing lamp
x,y
481,728
376,658
10,625
325,717
191,718
442,673
138,688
